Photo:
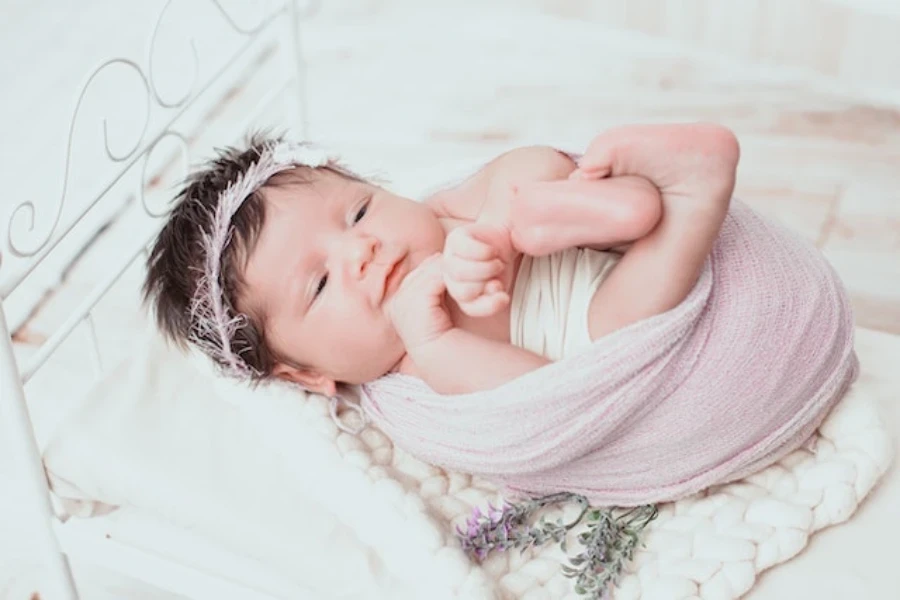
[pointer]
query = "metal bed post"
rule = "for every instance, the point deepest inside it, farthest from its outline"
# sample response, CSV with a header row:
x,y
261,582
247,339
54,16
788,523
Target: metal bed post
x,y
21,443
299,112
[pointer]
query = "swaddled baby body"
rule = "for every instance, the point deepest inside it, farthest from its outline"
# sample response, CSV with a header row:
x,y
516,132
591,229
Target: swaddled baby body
x,y
280,263
615,326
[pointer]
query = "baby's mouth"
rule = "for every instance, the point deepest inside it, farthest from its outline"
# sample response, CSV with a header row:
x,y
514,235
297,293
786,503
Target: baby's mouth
x,y
393,277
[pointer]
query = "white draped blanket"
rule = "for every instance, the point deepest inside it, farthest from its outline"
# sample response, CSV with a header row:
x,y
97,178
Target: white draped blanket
x,y
268,474
711,545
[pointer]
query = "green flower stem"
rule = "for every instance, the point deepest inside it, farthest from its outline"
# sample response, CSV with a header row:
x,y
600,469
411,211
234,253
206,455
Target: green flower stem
x,y
609,542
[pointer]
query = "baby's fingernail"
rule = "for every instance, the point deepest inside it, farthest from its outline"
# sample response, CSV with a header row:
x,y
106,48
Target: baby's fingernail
x,y
493,287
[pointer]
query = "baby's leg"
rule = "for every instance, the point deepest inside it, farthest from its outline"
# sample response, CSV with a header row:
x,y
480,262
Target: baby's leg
x,y
599,214
694,168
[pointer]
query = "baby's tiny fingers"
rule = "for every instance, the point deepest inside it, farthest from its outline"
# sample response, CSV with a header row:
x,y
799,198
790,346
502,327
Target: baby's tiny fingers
x,y
592,171
486,305
493,287
471,270
463,291
467,246
427,276
495,236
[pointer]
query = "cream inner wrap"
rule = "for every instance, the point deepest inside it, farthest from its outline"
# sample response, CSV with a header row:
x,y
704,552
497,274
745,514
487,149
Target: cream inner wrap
x,y
551,298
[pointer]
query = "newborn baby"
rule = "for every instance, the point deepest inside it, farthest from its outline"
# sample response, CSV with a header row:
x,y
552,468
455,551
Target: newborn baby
x,y
279,262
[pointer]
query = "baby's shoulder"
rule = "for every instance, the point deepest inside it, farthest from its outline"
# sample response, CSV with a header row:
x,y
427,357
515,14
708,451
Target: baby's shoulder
x,y
467,199
534,163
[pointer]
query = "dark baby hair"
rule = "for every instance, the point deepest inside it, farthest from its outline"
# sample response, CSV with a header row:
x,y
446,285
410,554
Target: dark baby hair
x,y
175,263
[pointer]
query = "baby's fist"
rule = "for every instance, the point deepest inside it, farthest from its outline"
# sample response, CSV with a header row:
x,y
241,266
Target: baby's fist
x,y
476,257
417,308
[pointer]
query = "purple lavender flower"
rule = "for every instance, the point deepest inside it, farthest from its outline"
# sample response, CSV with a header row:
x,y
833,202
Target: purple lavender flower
x,y
609,541
493,529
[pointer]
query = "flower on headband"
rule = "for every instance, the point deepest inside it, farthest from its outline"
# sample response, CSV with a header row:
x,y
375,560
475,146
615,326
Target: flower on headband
x,y
310,156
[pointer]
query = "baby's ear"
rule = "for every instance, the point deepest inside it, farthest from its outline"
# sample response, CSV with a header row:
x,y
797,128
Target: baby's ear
x,y
310,380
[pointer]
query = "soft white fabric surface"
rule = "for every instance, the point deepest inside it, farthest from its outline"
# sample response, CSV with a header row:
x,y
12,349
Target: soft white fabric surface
x,y
268,474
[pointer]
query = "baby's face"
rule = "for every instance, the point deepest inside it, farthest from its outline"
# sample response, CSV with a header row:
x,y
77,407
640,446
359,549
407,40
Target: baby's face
x,y
329,256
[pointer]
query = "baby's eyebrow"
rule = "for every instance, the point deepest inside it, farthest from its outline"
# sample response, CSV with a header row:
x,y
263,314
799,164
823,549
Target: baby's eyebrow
x,y
354,190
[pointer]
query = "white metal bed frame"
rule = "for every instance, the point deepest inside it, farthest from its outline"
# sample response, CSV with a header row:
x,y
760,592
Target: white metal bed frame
x,y
62,538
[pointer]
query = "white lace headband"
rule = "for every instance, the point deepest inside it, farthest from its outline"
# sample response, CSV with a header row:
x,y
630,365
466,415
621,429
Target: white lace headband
x,y
212,324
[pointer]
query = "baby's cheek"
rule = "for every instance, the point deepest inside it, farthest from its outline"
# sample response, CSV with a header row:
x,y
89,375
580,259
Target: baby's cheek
x,y
362,338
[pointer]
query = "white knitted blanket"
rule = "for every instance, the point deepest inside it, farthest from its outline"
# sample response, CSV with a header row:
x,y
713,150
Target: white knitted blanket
x,y
352,518
712,545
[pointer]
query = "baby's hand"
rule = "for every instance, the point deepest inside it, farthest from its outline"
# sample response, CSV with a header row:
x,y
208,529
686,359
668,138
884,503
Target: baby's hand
x,y
476,256
417,308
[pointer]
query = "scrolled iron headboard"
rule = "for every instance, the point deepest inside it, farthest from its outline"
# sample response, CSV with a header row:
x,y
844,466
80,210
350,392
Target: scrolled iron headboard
x,y
35,230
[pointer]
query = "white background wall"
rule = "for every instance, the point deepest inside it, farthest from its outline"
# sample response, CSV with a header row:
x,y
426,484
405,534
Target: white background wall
x,y
47,48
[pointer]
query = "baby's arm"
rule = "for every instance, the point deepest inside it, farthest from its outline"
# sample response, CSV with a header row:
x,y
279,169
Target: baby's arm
x,y
532,194
447,358
527,195
461,362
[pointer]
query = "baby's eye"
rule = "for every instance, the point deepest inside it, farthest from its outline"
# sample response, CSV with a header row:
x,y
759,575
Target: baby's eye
x,y
361,213
321,286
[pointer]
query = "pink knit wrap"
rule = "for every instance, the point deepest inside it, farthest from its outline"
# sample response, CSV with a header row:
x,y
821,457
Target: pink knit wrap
x,y
739,374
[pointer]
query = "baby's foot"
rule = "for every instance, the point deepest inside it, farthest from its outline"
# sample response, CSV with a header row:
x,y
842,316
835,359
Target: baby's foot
x,y
694,159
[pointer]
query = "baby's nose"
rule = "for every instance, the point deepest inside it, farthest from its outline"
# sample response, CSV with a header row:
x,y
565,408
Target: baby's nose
x,y
362,252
